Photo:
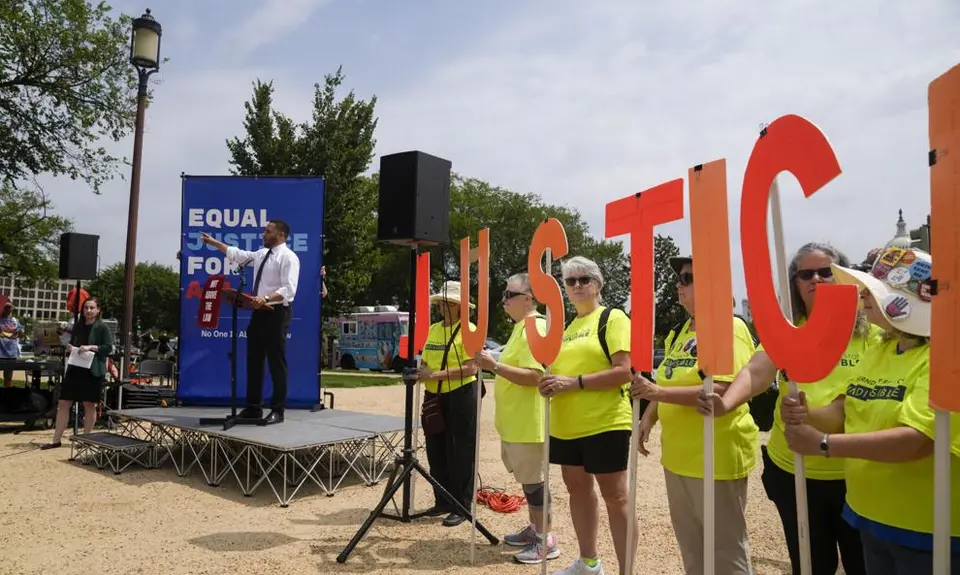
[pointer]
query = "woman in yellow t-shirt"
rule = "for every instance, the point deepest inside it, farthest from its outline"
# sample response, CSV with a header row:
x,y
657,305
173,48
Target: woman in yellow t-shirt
x,y
826,488
590,414
883,424
673,401
449,377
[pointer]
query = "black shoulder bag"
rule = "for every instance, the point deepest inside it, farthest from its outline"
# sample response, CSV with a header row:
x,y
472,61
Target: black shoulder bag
x,y
431,416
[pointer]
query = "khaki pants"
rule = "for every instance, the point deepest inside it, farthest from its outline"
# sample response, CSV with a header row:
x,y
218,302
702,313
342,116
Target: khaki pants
x,y
524,461
685,496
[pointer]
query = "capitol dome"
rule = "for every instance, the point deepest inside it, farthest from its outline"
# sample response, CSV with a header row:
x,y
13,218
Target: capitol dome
x,y
902,239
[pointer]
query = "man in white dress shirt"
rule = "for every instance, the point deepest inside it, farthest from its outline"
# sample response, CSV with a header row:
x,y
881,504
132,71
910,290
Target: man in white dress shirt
x,y
277,271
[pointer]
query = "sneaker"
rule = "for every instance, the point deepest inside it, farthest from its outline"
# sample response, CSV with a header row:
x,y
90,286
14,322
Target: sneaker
x,y
534,555
523,538
580,568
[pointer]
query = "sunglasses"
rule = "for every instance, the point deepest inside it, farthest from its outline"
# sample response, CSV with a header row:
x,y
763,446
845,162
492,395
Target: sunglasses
x,y
507,294
807,275
685,279
574,281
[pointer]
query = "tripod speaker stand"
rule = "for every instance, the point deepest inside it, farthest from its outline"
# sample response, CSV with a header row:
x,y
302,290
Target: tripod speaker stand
x,y
406,464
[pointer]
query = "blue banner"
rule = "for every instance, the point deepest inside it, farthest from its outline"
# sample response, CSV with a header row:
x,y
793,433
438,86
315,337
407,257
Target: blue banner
x,y
235,210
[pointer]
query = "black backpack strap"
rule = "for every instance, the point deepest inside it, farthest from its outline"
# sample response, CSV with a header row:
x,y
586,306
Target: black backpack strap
x,y
602,331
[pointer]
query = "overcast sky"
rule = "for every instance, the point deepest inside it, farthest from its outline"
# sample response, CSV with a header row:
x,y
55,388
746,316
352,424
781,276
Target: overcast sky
x,y
580,102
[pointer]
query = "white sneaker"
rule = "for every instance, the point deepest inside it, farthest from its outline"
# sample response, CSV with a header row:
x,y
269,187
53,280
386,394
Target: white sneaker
x,y
580,568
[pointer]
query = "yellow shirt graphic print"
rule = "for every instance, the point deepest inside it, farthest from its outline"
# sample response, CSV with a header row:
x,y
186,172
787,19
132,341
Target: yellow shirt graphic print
x,y
893,389
819,394
585,412
736,440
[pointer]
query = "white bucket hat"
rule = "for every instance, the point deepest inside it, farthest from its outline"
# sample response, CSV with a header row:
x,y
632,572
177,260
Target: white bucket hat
x,y
449,293
900,282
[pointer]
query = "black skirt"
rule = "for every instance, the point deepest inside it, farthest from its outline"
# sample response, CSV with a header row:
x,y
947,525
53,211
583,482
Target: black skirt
x,y
79,384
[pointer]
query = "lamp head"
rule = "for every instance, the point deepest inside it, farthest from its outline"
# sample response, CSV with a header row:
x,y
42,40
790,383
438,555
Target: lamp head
x,y
145,42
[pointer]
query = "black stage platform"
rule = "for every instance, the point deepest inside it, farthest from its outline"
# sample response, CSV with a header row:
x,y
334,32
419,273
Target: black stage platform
x,y
322,446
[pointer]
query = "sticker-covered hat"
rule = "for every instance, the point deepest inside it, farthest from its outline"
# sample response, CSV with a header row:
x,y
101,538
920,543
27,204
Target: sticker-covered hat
x,y
900,282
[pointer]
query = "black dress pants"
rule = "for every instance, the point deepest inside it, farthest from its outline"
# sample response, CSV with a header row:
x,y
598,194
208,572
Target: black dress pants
x,y
450,453
829,532
267,340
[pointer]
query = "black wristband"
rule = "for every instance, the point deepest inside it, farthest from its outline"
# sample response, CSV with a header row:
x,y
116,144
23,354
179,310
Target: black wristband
x,y
580,381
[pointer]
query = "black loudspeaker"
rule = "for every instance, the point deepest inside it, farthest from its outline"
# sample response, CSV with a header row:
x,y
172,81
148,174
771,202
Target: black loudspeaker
x,y
78,256
414,205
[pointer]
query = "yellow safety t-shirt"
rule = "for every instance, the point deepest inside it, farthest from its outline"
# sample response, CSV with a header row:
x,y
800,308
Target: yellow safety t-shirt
x,y
819,394
585,412
735,434
519,408
437,339
891,390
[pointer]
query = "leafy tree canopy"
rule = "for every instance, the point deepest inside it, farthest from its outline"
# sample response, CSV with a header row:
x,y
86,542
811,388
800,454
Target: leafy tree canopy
x,y
65,85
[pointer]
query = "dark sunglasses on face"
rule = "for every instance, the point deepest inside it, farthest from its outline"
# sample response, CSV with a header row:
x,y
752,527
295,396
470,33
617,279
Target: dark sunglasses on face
x,y
685,279
807,275
507,294
573,281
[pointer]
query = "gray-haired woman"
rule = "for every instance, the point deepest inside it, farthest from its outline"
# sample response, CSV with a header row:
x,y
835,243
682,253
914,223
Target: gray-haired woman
x,y
591,414
826,487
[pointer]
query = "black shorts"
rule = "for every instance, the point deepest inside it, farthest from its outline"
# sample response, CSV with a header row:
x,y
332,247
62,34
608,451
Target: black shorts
x,y
606,452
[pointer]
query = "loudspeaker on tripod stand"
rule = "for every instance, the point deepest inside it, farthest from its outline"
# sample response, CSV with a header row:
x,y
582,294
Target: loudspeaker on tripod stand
x,y
78,256
414,210
414,202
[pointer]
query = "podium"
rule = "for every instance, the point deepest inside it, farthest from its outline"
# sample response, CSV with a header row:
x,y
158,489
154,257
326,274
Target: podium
x,y
241,301
215,291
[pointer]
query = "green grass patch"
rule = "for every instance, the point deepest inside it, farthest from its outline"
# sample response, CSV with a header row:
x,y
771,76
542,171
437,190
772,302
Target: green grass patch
x,y
336,380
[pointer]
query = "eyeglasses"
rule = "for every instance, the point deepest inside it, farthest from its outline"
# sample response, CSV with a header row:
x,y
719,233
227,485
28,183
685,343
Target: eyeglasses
x,y
807,275
685,279
507,294
571,281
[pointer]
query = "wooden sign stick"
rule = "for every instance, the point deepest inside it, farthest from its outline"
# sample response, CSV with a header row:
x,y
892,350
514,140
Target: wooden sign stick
x,y
799,469
546,445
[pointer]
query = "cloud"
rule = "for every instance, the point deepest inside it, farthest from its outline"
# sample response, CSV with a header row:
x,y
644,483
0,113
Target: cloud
x,y
186,128
270,22
584,103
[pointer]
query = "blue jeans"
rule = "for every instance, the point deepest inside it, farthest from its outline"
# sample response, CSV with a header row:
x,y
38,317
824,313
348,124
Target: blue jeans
x,y
886,558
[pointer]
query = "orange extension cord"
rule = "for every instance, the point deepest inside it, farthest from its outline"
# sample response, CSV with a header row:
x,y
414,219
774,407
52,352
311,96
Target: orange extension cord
x,y
499,500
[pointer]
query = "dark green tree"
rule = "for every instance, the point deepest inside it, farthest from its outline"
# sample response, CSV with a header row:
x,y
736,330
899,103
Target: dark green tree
x,y
29,234
156,295
513,219
337,143
669,312
65,86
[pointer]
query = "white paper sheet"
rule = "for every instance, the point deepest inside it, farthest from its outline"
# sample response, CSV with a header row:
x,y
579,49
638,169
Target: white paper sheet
x,y
79,358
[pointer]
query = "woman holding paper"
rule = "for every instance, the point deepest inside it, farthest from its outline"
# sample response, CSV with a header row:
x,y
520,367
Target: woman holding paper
x,y
674,403
590,415
826,488
883,424
90,344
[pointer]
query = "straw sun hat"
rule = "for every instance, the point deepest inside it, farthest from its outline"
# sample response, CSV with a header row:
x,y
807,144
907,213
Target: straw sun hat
x,y
449,293
900,282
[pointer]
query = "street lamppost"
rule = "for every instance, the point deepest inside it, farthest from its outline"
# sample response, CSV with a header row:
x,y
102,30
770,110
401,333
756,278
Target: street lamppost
x,y
145,57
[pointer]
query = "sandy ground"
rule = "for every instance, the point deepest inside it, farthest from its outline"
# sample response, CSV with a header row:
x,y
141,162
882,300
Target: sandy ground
x,y
60,517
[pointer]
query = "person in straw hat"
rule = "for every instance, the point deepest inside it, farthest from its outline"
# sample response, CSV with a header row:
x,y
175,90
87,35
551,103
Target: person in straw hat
x,y
449,417
883,424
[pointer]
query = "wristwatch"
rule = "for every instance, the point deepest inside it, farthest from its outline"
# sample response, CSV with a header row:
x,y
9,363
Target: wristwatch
x,y
825,445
